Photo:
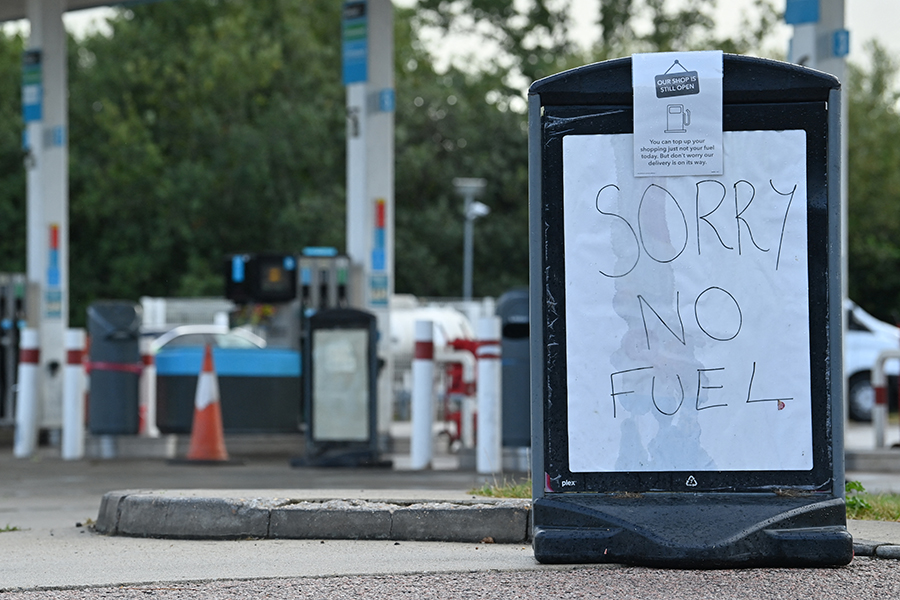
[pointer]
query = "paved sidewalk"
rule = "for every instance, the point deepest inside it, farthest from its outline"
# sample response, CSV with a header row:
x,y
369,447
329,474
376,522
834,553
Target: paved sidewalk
x,y
47,504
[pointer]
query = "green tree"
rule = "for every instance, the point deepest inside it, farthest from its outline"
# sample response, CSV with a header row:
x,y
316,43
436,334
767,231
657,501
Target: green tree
x,y
689,25
534,38
874,185
201,128
12,171
201,132
482,106
455,124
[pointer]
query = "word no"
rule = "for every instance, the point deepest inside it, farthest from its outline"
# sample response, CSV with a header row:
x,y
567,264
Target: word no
x,y
716,311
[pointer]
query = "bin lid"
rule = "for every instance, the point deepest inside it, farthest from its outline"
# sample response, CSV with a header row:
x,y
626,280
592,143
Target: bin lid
x,y
111,317
513,306
745,80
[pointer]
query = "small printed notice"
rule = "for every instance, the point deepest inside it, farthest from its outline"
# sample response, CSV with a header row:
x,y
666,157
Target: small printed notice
x,y
677,113
687,309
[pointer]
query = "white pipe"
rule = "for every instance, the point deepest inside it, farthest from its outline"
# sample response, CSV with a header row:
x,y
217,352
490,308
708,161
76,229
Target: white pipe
x,y
464,357
73,396
27,409
422,402
488,451
467,419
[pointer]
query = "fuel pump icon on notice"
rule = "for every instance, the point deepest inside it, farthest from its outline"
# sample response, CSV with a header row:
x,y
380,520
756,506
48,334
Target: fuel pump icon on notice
x,y
677,118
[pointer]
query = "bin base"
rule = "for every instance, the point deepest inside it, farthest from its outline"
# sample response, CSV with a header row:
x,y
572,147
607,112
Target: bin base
x,y
204,463
341,456
693,531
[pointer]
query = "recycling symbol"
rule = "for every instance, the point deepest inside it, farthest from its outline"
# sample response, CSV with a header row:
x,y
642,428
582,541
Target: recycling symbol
x,y
691,482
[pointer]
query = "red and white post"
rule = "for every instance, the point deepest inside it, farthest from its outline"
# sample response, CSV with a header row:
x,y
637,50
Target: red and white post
x,y
879,384
488,450
73,396
147,393
27,407
420,443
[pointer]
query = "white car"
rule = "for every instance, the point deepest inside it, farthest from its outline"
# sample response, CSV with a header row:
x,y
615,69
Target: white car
x,y
864,339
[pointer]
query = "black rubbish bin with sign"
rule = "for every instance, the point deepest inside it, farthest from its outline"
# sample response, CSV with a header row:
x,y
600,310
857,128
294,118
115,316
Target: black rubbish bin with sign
x,y
686,329
340,375
115,367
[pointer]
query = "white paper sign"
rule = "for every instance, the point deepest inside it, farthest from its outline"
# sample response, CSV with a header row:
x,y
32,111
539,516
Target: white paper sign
x,y
677,113
341,382
687,317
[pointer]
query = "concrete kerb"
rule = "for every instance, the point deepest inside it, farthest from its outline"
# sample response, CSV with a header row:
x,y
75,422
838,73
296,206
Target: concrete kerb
x,y
195,515
875,549
389,515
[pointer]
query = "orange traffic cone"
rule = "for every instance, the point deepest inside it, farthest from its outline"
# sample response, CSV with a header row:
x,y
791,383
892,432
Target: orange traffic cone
x,y
207,433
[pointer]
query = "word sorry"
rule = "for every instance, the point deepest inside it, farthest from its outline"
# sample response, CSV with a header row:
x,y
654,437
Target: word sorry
x,y
734,231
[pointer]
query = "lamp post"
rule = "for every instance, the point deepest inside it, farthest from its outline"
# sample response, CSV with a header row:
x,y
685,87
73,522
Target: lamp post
x,y
470,188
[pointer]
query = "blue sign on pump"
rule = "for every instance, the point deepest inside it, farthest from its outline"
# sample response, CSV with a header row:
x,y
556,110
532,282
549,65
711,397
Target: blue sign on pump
x,y
797,12
386,100
840,43
32,86
355,43
237,269
320,251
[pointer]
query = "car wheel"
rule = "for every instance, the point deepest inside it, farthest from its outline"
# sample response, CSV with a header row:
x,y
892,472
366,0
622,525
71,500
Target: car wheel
x,y
860,397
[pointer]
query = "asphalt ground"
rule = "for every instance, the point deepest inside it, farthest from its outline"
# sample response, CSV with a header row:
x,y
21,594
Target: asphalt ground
x,y
49,550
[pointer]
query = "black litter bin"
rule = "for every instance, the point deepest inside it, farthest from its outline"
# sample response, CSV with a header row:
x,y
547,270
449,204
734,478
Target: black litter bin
x,y
115,367
340,374
512,308
652,442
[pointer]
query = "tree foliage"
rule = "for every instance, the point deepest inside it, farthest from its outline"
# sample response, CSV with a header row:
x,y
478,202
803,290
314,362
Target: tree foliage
x,y
874,185
199,128
12,171
455,124
688,25
534,37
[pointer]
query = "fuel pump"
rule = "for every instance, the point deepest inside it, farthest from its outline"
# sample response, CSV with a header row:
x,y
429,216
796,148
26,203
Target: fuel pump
x,y
12,316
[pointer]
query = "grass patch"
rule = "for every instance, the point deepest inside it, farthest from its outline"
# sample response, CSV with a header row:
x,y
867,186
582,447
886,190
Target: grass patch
x,y
504,489
860,504
9,528
877,507
871,507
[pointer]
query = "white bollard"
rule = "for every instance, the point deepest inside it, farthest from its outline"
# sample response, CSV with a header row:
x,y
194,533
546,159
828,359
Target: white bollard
x,y
27,416
879,385
73,396
147,393
420,443
488,450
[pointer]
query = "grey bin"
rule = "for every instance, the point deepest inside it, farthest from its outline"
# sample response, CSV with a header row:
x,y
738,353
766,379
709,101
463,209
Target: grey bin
x,y
115,367
512,308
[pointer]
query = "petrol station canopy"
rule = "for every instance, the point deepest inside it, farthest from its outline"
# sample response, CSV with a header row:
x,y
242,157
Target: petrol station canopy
x,y
11,10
